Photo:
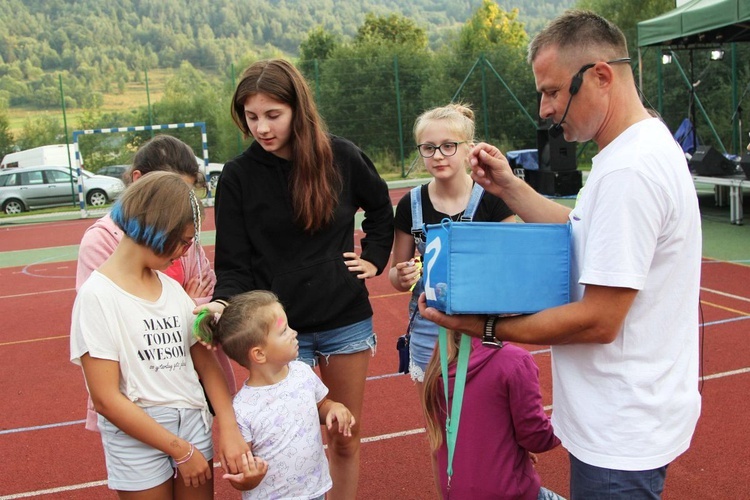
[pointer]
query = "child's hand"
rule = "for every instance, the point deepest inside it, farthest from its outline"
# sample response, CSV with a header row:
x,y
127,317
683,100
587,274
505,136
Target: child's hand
x,y
409,273
195,471
202,333
343,416
253,471
195,289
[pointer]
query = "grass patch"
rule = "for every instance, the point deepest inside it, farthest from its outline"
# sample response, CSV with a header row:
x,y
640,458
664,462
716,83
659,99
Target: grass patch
x,y
133,96
55,210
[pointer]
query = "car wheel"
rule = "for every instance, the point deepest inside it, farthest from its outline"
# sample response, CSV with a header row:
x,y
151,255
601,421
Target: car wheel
x,y
213,181
97,198
13,207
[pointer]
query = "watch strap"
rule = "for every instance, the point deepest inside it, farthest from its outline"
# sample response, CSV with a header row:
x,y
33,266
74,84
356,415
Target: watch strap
x,y
488,338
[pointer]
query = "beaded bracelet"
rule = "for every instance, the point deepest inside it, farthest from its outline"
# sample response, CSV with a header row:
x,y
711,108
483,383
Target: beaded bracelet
x,y
184,459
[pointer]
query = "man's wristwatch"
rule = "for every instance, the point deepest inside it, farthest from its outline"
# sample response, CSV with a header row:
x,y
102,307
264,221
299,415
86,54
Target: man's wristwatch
x,y
488,339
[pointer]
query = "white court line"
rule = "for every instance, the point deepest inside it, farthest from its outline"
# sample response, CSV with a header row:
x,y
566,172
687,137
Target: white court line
x,y
727,374
724,294
40,427
35,293
50,491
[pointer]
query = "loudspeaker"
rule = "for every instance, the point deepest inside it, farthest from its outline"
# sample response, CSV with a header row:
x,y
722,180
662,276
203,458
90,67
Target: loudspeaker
x,y
745,164
707,161
553,183
555,153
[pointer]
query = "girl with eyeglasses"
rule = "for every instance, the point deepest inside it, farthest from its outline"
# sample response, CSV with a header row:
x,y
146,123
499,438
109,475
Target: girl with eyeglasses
x,y
445,136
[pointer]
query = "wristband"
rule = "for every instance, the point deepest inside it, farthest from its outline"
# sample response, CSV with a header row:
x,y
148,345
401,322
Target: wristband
x,y
184,459
222,302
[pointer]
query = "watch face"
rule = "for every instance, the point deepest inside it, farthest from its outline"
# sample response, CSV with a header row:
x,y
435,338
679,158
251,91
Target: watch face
x,y
492,342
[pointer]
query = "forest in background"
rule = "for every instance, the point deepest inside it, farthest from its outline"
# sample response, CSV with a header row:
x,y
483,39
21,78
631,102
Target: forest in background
x,y
373,71
101,46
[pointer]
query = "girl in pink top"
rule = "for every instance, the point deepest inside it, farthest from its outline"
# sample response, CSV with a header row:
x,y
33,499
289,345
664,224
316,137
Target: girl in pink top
x,y
502,424
192,270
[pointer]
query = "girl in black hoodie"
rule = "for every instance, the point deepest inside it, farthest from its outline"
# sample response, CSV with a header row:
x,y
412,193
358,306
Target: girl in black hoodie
x,y
285,223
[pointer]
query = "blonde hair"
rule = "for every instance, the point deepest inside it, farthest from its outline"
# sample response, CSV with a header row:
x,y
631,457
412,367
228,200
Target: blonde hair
x,y
155,211
433,388
460,119
244,324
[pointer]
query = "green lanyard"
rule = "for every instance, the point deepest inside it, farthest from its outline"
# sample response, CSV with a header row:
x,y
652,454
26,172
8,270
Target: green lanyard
x,y
454,415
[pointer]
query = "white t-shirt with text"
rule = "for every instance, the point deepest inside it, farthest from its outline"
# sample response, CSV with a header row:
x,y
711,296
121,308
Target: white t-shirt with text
x,y
150,340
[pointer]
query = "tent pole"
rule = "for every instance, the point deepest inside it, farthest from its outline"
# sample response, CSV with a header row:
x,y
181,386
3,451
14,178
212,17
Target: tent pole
x,y
640,70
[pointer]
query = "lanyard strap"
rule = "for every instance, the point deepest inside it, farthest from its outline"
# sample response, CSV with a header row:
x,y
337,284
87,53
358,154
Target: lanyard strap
x,y
454,414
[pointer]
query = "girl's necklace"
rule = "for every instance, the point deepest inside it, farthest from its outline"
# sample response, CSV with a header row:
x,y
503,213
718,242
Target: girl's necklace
x,y
456,217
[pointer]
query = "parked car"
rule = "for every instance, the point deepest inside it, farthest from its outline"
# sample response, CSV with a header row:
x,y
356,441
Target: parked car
x,y
211,172
115,171
26,188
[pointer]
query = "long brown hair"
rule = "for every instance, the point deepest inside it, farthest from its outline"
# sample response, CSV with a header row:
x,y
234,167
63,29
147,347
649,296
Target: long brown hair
x,y
315,182
433,388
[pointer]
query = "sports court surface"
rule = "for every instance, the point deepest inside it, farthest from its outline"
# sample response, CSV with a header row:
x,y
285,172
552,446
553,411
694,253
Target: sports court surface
x,y
46,453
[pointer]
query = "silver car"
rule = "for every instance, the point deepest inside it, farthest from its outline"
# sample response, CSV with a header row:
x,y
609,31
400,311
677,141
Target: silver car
x,y
25,188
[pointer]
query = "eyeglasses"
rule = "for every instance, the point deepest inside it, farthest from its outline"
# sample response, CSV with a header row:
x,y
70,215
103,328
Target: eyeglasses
x,y
185,244
446,149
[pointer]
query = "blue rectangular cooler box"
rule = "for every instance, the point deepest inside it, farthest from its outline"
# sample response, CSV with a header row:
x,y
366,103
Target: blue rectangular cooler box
x,y
496,268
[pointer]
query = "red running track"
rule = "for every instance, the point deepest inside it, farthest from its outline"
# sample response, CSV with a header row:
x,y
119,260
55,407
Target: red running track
x,y
45,448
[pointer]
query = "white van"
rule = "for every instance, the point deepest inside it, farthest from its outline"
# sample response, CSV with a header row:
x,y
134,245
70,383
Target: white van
x,y
55,154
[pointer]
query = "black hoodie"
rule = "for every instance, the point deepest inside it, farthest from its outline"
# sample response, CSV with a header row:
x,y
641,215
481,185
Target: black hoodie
x,y
258,245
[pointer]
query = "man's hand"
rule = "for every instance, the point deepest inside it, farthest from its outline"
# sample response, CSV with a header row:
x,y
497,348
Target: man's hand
x,y
470,324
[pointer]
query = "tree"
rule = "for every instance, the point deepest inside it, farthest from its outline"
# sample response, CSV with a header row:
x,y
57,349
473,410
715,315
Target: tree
x,y
41,130
393,29
491,28
6,138
492,42
319,44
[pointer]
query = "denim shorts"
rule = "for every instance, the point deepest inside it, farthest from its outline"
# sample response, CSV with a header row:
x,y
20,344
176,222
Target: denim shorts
x,y
345,340
134,466
595,483
424,336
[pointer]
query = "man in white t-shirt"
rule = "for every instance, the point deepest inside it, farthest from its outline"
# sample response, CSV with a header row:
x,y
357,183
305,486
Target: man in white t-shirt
x,y
625,350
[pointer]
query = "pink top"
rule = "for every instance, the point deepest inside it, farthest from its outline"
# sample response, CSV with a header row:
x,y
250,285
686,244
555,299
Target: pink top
x,y
101,239
502,419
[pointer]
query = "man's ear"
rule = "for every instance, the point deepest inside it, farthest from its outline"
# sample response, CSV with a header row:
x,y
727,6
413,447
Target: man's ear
x,y
137,174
